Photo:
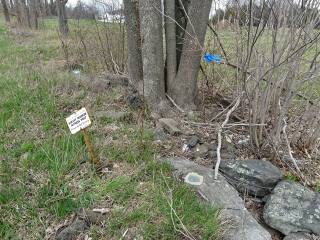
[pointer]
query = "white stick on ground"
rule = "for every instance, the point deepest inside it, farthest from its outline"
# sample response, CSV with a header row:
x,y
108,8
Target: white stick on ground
x,y
216,169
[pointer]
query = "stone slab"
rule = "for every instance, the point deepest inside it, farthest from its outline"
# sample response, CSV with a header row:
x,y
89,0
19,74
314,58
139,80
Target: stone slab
x,y
220,193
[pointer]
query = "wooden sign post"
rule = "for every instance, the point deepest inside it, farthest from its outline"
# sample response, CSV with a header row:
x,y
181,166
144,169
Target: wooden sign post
x,y
79,121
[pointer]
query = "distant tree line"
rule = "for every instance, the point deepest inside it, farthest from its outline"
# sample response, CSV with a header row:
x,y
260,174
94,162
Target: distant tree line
x,y
30,13
257,12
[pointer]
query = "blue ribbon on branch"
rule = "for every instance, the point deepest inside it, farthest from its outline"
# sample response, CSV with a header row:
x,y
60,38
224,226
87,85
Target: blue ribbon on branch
x,y
210,58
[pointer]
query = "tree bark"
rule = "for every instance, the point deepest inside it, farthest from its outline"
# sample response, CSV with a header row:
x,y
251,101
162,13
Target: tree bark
x,y
131,13
181,16
46,7
171,56
52,8
62,15
5,10
17,10
185,84
152,52
25,19
33,14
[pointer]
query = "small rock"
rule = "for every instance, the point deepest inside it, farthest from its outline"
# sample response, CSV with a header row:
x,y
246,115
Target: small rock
x,y
202,150
213,147
134,100
255,177
170,125
193,141
160,134
293,208
73,230
92,217
298,236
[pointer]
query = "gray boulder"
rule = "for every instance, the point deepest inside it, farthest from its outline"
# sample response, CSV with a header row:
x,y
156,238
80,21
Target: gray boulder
x,y
298,236
221,193
257,177
293,208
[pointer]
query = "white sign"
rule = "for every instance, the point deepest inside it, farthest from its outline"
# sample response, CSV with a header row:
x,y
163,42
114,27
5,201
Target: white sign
x,y
78,121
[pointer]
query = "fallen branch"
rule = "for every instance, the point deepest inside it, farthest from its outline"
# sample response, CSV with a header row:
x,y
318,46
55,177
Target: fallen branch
x,y
180,109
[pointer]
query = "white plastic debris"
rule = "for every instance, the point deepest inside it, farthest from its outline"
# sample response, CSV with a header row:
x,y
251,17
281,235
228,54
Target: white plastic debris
x,y
185,148
247,139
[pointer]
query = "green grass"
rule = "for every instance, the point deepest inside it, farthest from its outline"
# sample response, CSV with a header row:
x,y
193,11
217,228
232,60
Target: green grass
x,y
46,174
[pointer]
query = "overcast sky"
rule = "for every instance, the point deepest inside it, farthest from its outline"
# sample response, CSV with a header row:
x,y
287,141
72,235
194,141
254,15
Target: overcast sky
x,y
116,3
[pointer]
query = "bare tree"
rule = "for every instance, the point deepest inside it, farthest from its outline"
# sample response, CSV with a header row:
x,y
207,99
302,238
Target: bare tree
x,y
5,10
33,14
62,15
23,10
274,43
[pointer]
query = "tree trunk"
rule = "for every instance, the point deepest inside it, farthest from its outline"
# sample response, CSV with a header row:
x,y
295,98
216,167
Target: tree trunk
x,y
62,15
152,52
131,13
5,10
181,16
146,57
25,19
46,8
17,10
186,85
33,14
52,8
171,56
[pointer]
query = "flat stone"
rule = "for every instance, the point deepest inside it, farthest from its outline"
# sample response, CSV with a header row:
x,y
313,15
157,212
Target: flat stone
x,y
220,193
256,177
73,230
170,125
293,208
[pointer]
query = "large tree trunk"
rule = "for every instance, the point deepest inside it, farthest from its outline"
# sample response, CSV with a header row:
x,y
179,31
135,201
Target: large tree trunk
x,y
62,15
186,85
147,63
131,13
33,14
152,52
5,10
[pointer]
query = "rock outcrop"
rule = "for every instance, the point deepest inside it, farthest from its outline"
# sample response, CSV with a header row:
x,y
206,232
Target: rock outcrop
x,y
221,193
256,177
293,208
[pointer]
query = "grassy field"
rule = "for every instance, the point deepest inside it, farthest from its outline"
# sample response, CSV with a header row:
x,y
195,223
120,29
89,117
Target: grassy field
x,y
46,174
